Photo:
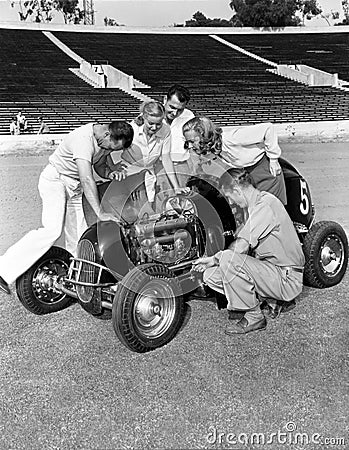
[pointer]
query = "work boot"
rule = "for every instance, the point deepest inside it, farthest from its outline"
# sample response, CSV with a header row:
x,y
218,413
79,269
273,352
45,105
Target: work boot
x,y
253,320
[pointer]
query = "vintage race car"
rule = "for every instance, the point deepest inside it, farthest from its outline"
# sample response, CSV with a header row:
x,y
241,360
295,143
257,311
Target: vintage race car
x,y
138,271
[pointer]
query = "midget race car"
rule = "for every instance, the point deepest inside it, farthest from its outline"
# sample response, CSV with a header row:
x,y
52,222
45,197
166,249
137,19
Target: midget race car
x,y
137,271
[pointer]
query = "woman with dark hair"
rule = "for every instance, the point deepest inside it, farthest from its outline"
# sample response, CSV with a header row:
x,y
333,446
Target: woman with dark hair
x,y
254,148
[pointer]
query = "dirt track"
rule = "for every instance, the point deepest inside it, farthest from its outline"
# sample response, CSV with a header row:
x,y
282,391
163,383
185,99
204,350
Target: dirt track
x,y
66,381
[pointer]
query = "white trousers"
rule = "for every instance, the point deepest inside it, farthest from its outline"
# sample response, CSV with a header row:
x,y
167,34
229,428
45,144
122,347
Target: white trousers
x,y
62,217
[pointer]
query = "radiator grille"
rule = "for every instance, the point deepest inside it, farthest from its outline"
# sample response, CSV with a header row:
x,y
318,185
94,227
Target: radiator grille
x,y
88,272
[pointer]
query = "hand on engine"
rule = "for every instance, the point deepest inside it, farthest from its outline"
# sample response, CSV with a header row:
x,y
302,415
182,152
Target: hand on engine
x,y
200,265
182,190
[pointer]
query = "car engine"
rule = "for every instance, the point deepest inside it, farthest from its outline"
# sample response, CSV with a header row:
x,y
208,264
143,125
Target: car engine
x,y
170,237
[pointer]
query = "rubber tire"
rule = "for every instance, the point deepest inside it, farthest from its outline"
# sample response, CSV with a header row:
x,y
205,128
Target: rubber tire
x,y
24,286
123,305
314,276
106,314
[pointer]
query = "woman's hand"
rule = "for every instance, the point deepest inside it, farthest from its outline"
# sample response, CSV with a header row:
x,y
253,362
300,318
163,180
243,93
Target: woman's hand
x,y
274,167
136,194
202,264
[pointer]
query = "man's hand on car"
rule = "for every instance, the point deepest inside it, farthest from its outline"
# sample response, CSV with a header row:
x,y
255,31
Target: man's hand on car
x,y
119,173
200,265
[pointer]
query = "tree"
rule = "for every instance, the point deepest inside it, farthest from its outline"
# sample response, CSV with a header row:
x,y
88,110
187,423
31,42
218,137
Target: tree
x,y
310,9
38,10
345,6
200,20
70,10
43,10
272,13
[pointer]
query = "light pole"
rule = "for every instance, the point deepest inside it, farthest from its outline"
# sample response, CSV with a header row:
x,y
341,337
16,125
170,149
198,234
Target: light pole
x,y
89,13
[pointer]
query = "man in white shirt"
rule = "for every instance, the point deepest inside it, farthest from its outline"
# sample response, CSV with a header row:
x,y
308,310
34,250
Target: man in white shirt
x,y
61,183
21,121
176,115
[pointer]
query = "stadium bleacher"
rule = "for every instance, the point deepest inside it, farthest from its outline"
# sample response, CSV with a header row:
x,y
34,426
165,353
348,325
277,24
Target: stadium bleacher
x,y
324,51
35,79
226,85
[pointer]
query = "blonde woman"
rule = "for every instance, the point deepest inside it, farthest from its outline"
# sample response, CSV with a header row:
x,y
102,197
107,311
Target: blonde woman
x,y
151,142
253,147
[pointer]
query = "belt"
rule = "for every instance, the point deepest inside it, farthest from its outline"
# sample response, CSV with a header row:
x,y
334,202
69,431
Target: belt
x,y
175,163
295,269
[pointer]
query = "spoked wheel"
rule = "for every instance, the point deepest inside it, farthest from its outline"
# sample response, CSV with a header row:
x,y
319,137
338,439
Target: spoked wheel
x,y
326,253
36,287
148,308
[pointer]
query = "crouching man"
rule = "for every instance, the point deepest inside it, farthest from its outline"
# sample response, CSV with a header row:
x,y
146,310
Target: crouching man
x,y
274,271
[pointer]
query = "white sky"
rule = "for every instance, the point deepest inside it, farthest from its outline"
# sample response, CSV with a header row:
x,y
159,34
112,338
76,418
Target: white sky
x,y
159,12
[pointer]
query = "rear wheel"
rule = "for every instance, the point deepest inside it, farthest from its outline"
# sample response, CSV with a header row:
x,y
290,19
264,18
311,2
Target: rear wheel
x,y
148,308
326,254
36,287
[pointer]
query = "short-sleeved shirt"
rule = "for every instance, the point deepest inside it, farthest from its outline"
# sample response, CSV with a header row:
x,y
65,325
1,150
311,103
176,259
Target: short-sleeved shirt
x,y
21,118
178,152
245,146
143,152
270,232
13,128
78,144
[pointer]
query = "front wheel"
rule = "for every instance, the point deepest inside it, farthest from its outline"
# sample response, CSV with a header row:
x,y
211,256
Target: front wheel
x,y
326,254
36,287
148,308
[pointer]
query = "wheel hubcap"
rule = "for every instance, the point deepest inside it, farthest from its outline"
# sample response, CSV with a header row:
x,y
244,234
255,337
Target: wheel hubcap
x,y
332,255
154,309
45,278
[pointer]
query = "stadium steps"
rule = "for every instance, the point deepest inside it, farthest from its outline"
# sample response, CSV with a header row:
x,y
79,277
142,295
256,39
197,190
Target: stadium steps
x,y
68,51
84,78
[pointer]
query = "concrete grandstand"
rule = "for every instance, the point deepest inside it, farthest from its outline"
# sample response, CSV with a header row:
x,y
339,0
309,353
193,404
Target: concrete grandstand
x,y
230,84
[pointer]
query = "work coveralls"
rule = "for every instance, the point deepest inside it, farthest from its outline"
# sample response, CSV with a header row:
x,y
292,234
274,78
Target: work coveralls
x,y
276,268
